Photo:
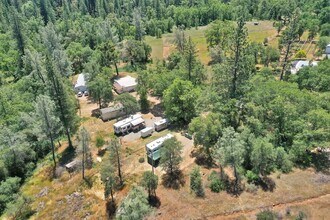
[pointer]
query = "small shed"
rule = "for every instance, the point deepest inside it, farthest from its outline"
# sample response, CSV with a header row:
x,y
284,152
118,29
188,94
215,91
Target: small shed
x,y
70,167
80,85
327,49
125,84
112,112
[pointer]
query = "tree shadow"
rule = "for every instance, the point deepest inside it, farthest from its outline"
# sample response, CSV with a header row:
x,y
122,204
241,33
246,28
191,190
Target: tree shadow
x,y
111,208
203,160
154,201
266,184
67,156
232,188
88,181
321,162
174,181
158,110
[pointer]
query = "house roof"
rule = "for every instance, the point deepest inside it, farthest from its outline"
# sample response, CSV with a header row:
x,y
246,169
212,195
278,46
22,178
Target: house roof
x,y
126,81
116,107
81,80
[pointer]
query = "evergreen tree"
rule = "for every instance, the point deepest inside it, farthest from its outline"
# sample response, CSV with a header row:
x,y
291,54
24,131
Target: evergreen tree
x,y
45,112
196,184
230,149
84,150
65,105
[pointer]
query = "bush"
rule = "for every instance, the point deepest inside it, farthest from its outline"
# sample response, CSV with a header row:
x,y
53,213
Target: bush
x,y
251,188
266,215
301,54
141,160
301,216
196,184
216,185
251,176
99,141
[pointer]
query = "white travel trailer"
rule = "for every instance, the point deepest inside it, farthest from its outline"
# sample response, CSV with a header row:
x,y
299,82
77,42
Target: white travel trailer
x,y
153,148
160,125
147,131
124,126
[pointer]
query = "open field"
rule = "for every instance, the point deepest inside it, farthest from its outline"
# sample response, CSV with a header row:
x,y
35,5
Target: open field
x,y
257,33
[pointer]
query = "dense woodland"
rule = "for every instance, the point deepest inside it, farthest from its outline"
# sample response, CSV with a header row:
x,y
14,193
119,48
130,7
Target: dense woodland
x,y
245,109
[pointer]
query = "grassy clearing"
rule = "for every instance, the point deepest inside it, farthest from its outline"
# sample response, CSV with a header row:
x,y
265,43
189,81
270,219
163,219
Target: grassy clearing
x,y
257,33
298,186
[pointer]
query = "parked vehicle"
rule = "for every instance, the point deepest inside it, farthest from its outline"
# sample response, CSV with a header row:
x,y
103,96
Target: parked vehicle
x,y
160,125
132,123
153,149
147,132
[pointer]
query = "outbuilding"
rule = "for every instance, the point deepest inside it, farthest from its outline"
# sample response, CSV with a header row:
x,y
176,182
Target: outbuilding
x,y
327,50
112,112
125,84
80,85
298,64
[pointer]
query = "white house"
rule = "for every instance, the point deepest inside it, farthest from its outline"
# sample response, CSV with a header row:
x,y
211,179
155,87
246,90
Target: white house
x,y
80,85
125,84
298,64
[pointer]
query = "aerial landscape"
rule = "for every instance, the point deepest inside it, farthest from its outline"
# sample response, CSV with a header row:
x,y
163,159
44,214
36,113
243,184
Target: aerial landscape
x,y
165,109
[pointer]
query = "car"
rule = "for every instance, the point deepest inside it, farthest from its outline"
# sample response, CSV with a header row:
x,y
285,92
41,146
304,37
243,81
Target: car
x,y
86,93
80,94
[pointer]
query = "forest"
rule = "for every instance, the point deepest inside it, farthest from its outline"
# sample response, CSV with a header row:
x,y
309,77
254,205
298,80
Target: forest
x,y
247,114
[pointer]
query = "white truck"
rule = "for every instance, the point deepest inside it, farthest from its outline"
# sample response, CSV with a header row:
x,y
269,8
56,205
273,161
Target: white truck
x,y
134,122
160,125
147,131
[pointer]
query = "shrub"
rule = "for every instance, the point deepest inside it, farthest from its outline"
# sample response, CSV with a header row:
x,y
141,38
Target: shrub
x,y
99,141
216,185
196,184
251,176
266,215
301,54
251,188
301,216
141,160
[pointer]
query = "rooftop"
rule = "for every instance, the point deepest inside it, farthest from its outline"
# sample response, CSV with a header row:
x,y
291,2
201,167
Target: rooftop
x,y
163,121
156,143
127,120
116,107
81,80
126,81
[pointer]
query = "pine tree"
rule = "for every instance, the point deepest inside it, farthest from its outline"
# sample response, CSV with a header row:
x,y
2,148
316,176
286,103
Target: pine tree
x,y
64,103
115,157
86,156
45,112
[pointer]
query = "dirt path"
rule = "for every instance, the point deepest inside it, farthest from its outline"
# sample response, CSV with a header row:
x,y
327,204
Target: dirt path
x,y
279,206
